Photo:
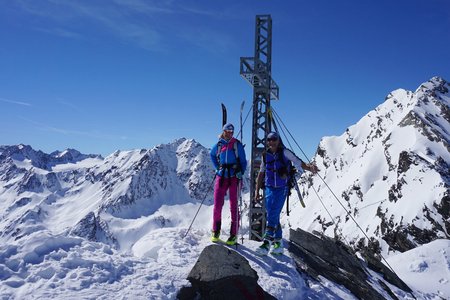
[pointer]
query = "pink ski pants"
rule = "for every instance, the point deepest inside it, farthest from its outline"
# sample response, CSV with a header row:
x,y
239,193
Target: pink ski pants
x,y
221,186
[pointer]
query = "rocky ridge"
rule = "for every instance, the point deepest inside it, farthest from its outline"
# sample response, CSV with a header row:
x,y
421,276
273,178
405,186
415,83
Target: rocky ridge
x,y
391,170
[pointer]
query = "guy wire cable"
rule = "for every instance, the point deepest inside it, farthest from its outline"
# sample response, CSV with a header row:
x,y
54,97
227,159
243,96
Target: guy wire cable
x,y
277,119
348,213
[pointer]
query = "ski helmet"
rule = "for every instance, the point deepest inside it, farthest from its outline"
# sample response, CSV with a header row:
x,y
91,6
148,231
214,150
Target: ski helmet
x,y
273,135
228,126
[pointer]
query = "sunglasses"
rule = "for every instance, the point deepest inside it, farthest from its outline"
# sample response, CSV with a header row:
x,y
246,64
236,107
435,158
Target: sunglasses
x,y
229,131
272,139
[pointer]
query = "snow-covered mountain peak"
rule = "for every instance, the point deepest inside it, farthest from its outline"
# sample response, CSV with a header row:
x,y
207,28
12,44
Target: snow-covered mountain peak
x,y
435,85
25,156
427,110
391,170
21,152
72,156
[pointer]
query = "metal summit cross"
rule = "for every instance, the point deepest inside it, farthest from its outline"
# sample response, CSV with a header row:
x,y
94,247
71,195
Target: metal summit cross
x,y
257,71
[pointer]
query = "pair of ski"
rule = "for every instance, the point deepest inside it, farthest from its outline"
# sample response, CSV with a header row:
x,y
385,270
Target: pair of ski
x,y
224,116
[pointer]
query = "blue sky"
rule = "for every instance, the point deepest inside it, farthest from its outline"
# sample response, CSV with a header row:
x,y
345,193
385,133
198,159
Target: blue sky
x,y
99,76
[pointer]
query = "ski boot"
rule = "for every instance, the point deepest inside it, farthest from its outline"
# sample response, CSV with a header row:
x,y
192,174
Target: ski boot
x,y
277,248
263,250
215,237
232,240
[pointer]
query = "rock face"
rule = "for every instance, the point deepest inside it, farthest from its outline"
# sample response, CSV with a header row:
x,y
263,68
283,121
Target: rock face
x,y
221,273
94,229
321,256
391,173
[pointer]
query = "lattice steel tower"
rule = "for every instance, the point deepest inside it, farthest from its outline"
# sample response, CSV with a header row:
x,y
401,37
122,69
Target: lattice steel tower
x,y
257,71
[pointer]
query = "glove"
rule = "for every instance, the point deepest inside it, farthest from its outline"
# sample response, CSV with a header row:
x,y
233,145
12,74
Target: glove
x,y
239,175
313,168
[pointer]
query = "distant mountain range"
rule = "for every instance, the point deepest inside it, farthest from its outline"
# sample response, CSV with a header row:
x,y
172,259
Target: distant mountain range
x,y
126,184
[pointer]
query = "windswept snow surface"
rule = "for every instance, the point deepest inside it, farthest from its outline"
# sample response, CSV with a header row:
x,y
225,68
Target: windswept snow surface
x,y
152,263
154,260
426,269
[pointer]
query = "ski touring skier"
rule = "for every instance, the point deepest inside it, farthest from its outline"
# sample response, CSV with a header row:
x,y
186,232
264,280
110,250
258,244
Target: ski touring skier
x,y
274,174
228,158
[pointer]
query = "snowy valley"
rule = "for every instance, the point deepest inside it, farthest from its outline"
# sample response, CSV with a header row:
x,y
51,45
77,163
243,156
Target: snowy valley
x,y
76,226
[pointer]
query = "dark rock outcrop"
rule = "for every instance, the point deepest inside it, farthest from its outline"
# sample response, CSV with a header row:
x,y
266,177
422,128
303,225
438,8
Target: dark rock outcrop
x,y
333,260
94,229
221,273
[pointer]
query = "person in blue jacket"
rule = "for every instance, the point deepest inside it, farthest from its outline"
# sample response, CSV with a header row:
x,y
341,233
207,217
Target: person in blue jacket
x,y
228,158
275,171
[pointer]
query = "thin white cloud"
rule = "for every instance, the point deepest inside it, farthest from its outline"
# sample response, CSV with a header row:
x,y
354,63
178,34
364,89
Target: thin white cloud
x,y
137,22
208,40
115,19
70,105
200,12
147,7
91,134
119,23
61,32
165,7
15,102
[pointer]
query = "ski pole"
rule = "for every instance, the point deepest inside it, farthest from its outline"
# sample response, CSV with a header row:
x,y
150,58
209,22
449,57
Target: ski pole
x,y
241,183
206,194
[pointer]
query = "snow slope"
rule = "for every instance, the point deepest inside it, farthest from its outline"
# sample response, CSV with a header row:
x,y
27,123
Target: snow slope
x,y
426,268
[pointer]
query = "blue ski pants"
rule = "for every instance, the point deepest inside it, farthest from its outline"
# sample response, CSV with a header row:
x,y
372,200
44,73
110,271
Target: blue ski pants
x,y
275,198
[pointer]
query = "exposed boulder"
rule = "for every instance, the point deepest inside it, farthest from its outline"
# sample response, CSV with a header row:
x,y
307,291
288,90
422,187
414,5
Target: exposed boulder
x,y
322,256
221,273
